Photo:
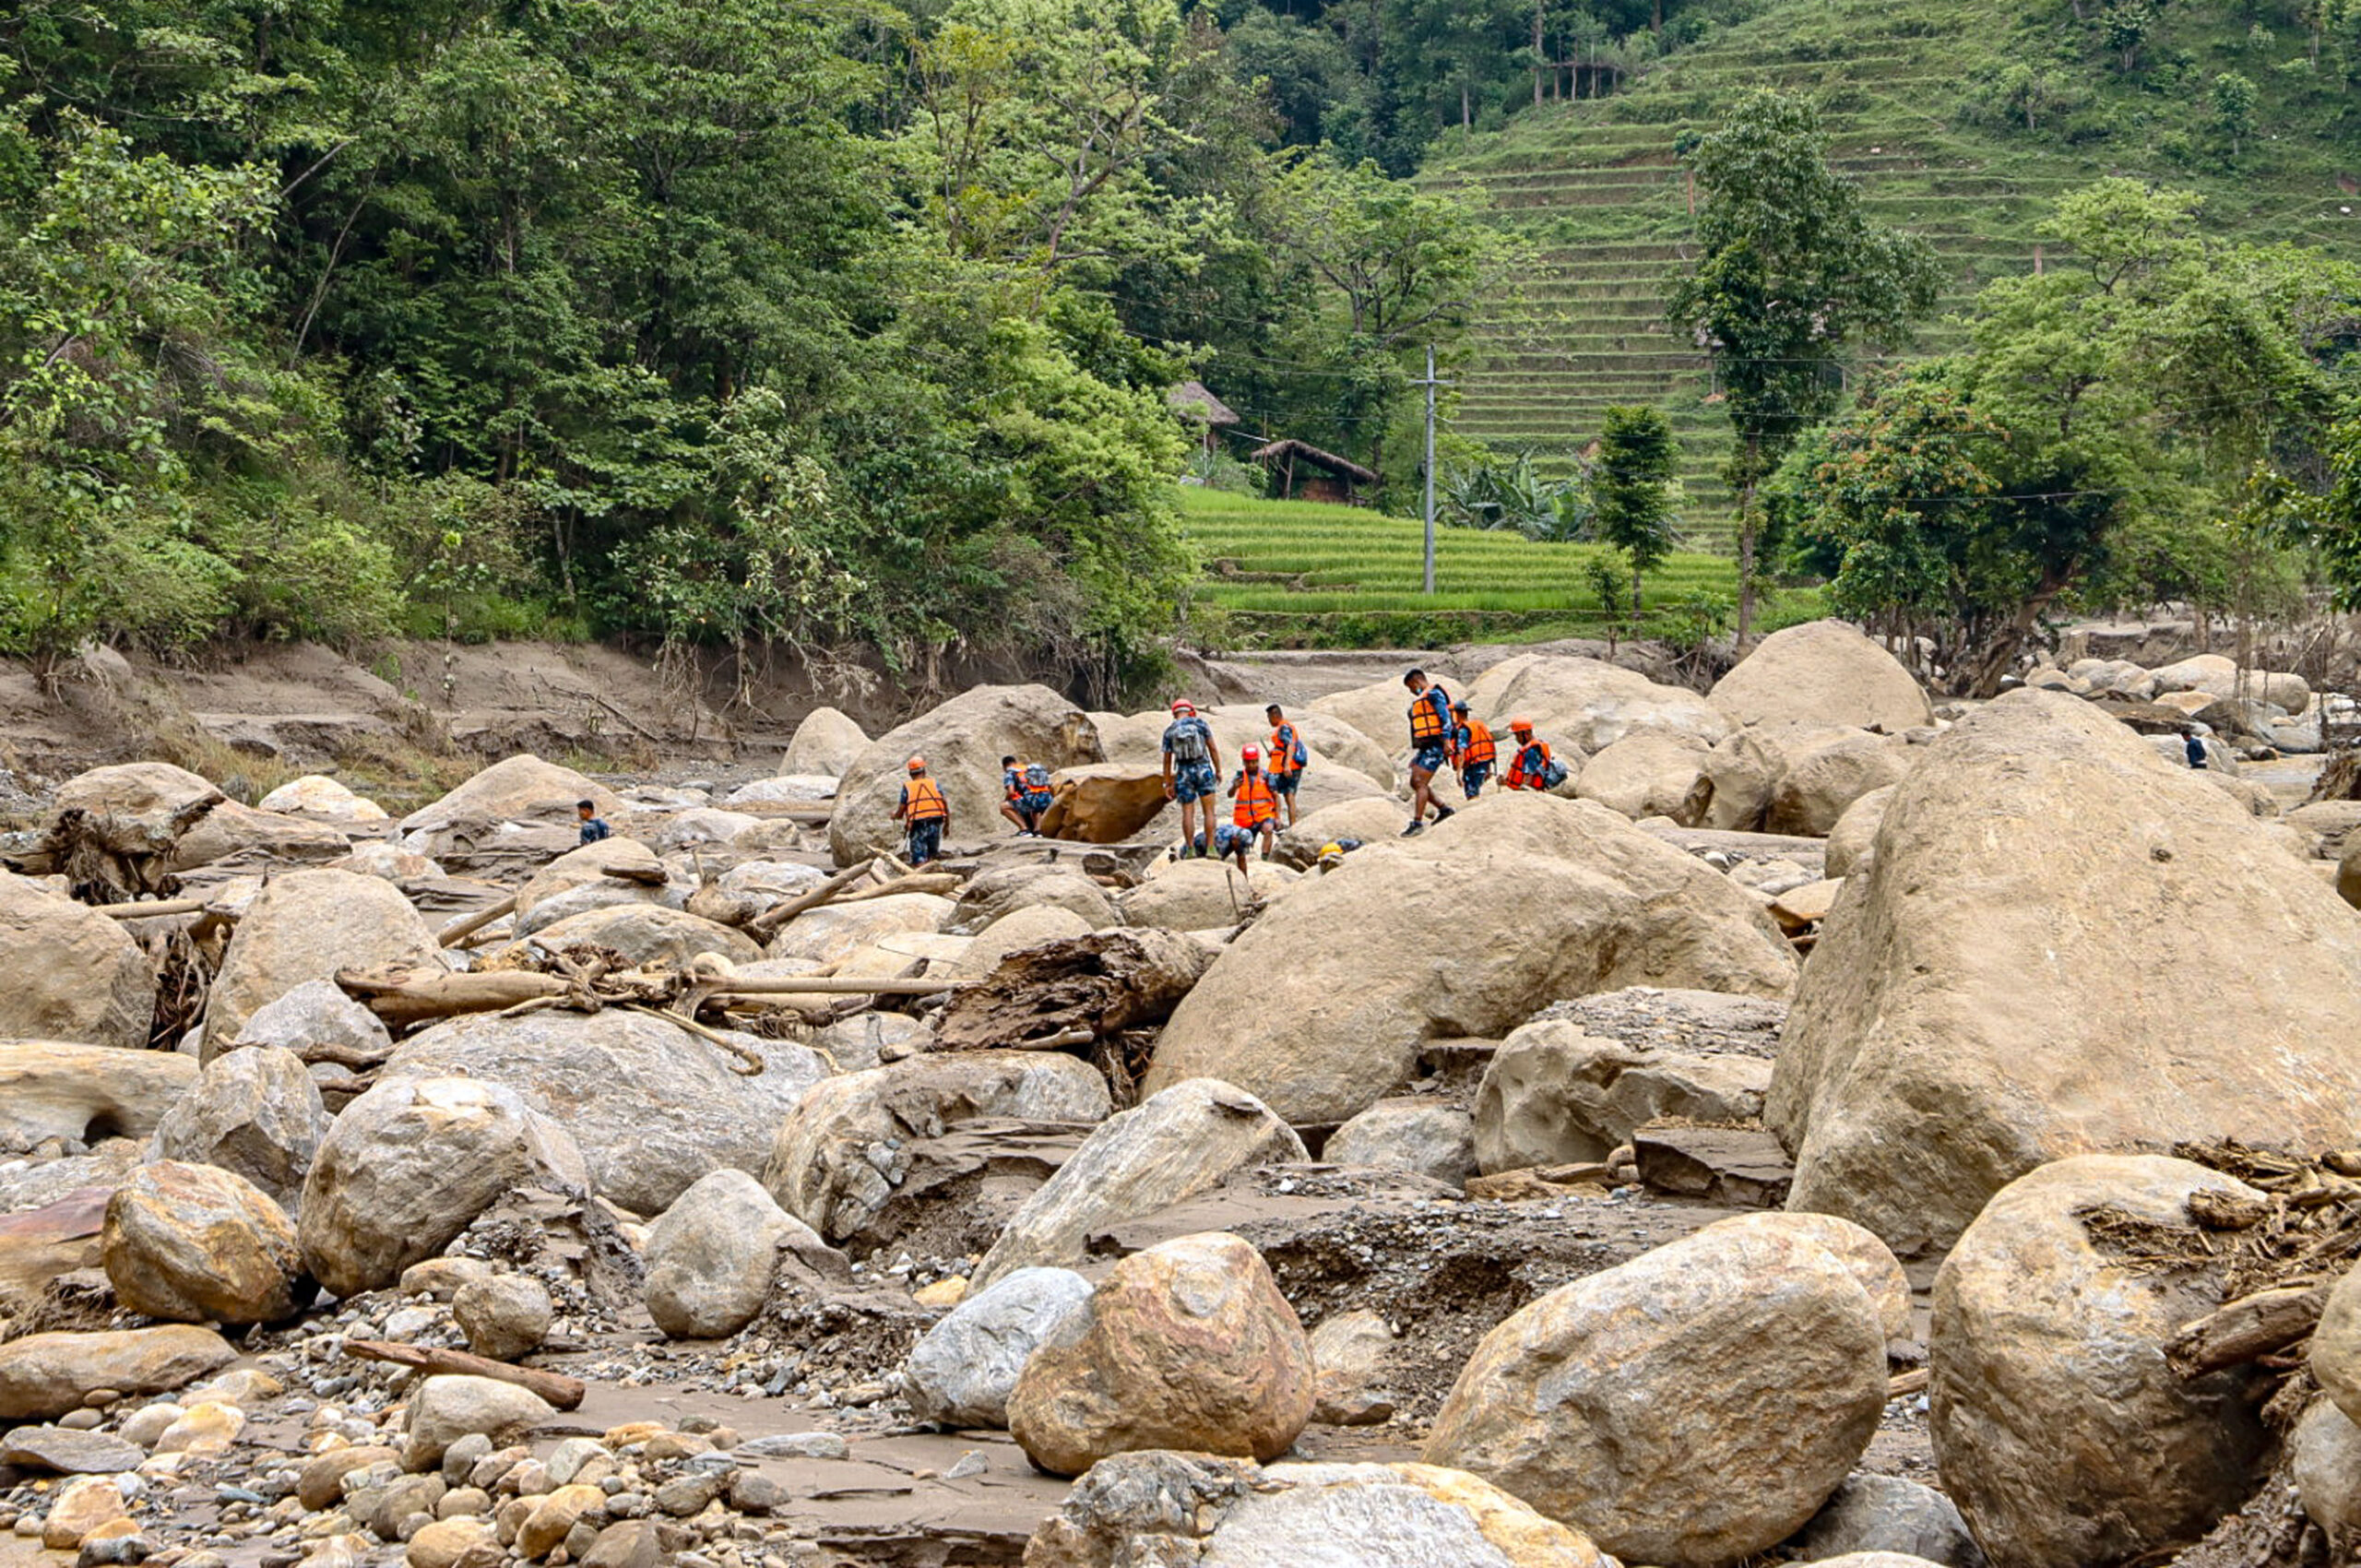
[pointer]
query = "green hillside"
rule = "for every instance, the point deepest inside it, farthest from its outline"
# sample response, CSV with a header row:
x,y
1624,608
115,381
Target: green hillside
x,y
1911,93
1300,572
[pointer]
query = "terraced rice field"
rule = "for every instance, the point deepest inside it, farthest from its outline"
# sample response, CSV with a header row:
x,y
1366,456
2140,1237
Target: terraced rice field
x,y
1299,558
1596,186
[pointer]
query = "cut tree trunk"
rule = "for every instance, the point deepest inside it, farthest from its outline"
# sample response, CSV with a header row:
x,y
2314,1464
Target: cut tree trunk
x,y
1103,984
402,993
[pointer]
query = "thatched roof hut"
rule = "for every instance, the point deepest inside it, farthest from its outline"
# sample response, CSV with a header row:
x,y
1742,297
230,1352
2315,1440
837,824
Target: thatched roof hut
x,y
1306,473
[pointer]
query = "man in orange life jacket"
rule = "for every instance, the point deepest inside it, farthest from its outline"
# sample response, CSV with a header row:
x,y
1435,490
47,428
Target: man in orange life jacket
x,y
1473,739
1533,766
1288,757
924,812
1026,788
1256,815
1431,748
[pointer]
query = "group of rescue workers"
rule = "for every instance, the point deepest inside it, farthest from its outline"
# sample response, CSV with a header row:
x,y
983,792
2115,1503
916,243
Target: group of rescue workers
x,y
1444,733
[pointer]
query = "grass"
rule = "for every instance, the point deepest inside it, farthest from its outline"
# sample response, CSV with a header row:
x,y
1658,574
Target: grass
x,y
1297,572
1595,187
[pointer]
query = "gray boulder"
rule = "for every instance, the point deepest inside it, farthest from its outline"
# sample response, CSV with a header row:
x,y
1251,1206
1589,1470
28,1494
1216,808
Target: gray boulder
x,y
961,1372
653,1106
962,741
316,1013
1554,1094
1874,1513
710,1257
255,1112
1427,1138
305,926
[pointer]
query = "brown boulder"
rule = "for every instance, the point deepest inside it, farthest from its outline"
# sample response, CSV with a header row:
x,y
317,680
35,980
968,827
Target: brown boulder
x,y
1823,672
1190,1346
73,973
44,1375
200,1244
305,926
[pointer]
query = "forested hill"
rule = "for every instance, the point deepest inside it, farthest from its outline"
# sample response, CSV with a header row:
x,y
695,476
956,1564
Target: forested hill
x,y
1962,120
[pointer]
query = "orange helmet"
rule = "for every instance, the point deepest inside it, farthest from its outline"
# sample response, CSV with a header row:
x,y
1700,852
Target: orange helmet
x,y
1521,726
917,765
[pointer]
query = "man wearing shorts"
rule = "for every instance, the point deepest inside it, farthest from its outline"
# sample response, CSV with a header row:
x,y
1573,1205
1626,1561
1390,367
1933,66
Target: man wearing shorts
x,y
1286,753
1191,774
1430,747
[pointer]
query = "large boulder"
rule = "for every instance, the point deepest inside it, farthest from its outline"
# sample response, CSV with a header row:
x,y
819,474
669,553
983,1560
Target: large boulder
x,y
1576,900
1424,1137
1380,711
1852,843
517,789
1171,1146
1017,931
1652,773
312,1015
256,839
1872,1263
316,794
645,933
961,1372
2214,674
963,741
625,866
84,1093
1824,778
1190,1346
446,1409
840,1152
1889,1516
1553,1094
1137,1509
653,1106
305,926
710,1255
1195,895
1332,742
2324,1452
2335,1353
2060,1432
153,799
1691,1408
1104,803
411,1164
835,931
1982,998
255,1112
1005,889
195,1244
1823,672
1586,703
73,973
825,742
45,1375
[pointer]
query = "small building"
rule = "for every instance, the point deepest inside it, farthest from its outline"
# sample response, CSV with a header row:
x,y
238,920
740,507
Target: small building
x,y
1202,411
1306,473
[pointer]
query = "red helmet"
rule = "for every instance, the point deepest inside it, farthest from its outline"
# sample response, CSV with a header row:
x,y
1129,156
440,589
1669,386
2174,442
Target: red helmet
x,y
1251,754
1182,704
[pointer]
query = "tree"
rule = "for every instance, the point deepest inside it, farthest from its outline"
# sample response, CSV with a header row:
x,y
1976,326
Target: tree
x,y
1631,486
2125,26
2233,105
1791,275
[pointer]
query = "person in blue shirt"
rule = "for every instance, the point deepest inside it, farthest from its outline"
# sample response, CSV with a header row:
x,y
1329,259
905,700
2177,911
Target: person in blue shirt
x,y
1191,773
594,827
1432,728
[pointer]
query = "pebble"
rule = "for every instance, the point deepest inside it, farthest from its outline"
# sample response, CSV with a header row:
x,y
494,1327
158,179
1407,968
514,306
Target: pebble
x,y
83,1419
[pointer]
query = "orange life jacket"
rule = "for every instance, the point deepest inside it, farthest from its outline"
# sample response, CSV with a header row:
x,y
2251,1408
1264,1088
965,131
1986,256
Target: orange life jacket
x,y
1283,744
927,803
1257,802
1518,778
1479,748
1429,717
1013,782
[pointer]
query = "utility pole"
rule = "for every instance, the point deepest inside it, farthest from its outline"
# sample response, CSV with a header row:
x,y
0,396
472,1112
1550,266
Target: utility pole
x,y
1430,383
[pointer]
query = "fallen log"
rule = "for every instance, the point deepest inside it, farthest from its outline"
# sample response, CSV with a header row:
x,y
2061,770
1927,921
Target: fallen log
x,y
918,881
831,985
1908,1382
563,1392
836,886
2245,1330
1102,983
402,993
455,934
153,909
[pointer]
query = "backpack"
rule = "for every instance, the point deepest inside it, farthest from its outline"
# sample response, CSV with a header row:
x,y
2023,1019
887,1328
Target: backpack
x,y
1553,774
1037,777
1187,738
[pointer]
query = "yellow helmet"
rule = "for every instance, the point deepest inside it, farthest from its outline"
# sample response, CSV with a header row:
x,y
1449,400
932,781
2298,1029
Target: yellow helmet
x,y
1330,849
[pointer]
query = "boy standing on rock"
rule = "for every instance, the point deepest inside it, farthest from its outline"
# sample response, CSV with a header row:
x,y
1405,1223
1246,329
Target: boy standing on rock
x,y
1191,774
924,814
1430,747
594,827
1289,756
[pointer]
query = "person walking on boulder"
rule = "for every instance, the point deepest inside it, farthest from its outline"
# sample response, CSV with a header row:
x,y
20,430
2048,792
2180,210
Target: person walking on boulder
x,y
924,814
1289,756
1256,815
1430,747
1191,774
1472,739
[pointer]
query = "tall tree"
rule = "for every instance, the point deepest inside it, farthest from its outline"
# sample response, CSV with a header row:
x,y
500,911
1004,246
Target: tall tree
x,y
1631,489
1791,276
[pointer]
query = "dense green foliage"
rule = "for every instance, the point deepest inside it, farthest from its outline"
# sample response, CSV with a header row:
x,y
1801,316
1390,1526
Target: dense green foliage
x,y
1634,489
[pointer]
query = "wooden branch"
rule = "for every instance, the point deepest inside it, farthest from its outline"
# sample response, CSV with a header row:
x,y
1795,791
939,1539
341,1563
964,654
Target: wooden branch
x,y
2245,1330
1100,984
455,934
832,985
563,1392
770,923
338,1054
921,882
151,909
402,993
1908,1382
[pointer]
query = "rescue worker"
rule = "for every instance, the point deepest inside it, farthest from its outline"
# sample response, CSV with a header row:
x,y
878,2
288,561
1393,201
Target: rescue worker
x,y
1191,773
1025,787
1430,747
1533,764
1473,739
594,827
924,814
1256,814
1288,757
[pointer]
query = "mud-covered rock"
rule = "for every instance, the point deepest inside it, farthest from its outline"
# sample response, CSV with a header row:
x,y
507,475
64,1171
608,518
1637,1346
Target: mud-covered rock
x,y
1427,1138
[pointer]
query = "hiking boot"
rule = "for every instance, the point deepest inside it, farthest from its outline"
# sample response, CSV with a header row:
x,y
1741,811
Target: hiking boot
x,y
1415,828
1443,812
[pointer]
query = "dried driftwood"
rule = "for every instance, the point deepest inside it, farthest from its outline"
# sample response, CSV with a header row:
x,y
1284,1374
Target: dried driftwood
x,y
1073,990
564,1392
2246,1330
